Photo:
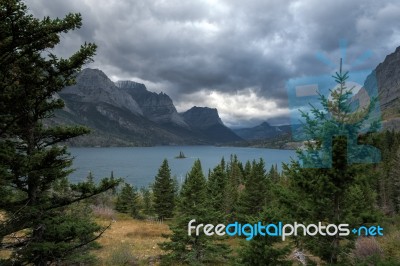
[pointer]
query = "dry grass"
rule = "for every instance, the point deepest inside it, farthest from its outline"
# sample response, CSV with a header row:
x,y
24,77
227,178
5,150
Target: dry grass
x,y
2,216
126,235
5,254
103,212
141,236
390,244
366,247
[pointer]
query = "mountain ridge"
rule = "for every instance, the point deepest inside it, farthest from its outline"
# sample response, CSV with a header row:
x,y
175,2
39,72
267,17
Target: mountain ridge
x,y
158,108
125,113
207,122
262,131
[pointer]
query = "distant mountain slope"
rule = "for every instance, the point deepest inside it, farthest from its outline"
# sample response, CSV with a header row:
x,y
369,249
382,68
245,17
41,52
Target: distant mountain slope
x,y
207,122
388,82
262,131
93,86
113,115
127,114
156,107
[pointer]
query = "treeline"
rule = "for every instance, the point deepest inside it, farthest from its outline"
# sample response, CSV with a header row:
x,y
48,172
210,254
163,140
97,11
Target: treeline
x,y
231,192
366,194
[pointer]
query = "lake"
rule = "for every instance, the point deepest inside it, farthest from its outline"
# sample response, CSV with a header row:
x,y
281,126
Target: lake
x,y
139,165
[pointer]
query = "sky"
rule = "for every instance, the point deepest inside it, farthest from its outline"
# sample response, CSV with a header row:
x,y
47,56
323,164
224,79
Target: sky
x,y
232,55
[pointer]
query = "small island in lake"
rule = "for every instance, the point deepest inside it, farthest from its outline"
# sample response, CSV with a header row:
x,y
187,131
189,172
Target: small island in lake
x,y
180,156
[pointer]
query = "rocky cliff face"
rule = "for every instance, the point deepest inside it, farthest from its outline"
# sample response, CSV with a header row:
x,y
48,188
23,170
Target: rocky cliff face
x,y
95,87
388,77
388,83
202,117
262,131
157,107
207,122
127,114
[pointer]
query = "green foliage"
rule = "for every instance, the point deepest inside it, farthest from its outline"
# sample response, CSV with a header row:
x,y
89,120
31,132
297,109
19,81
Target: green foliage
x,y
60,232
387,182
127,200
260,201
122,255
254,195
235,179
147,201
217,193
34,191
339,194
193,204
164,192
273,173
266,250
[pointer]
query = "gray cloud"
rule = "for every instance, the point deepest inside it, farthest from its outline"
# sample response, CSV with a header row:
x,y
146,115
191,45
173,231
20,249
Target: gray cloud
x,y
231,46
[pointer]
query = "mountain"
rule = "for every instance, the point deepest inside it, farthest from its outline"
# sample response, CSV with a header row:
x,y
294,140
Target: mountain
x,y
113,115
93,86
125,113
158,108
207,122
262,131
388,83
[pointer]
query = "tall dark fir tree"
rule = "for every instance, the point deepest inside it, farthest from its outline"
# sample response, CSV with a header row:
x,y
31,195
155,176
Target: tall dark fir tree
x,y
338,194
127,200
254,195
164,192
193,204
32,160
216,190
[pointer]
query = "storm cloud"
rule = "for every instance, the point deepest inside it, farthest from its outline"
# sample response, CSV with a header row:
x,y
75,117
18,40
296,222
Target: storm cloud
x,y
232,55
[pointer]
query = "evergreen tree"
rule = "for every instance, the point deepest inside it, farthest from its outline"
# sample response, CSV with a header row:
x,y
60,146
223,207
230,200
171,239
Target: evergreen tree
x,y
266,250
273,173
247,171
254,195
395,181
147,198
62,186
127,200
216,189
114,189
223,164
260,202
193,204
329,194
164,192
31,160
234,185
386,172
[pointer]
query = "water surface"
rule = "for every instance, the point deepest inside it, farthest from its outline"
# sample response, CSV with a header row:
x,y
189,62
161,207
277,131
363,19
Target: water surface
x,y
139,165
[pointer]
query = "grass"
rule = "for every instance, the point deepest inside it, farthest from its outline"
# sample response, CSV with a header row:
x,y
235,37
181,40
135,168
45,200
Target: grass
x,y
134,242
127,239
390,242
125,232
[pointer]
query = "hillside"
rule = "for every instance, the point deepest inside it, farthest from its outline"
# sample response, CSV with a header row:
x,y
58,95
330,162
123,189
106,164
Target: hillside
x,y
388,82
385,77
125,113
